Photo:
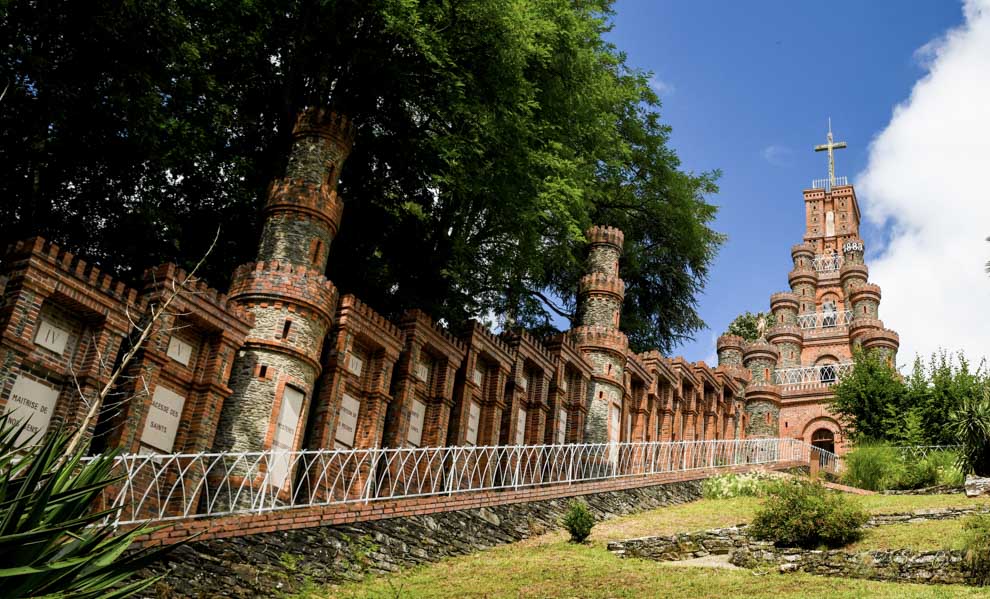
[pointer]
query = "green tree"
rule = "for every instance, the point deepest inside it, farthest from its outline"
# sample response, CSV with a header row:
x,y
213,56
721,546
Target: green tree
x,y
491,133
871,398
747,325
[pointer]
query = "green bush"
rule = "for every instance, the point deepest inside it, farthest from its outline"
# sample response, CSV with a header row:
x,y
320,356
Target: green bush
x,y
874,466
880,467
578,521
970,424
801,514
53,542
752,484
976,544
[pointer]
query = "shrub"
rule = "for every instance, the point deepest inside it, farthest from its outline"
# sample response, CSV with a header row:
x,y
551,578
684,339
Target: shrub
x,y
752,484
976,544
578,521
879,467
53,541
874,466
946,467
970,424
801,514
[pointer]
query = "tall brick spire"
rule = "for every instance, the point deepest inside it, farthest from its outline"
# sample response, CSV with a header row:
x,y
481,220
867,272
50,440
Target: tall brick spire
x,y
830,309
600,295
292,301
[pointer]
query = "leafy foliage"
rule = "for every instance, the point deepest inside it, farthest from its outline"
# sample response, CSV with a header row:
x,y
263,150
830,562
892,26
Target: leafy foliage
x,y
801,514
880,466
747,325
870,398
751,484
970,423
52,541
491,133
878,404
976,544
578,521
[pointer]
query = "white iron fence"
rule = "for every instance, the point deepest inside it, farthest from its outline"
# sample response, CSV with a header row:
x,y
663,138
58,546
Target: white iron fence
x,y
825,320
810,376
167,487
917,452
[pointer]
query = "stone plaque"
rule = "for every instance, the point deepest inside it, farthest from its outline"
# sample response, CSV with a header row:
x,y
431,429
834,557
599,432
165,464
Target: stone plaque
x,y
474,417
285,436
561,427
613,430
417,414
521,426
478,377
34,401
524,383
628,427
179,350
162,420
423,371
347,422
355,364
51,337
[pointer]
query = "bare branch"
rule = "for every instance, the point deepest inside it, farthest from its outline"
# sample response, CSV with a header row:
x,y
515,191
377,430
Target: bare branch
x,y
154,316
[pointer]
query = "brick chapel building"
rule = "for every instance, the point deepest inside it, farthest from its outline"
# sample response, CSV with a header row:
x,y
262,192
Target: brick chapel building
x,y
283,362
831,308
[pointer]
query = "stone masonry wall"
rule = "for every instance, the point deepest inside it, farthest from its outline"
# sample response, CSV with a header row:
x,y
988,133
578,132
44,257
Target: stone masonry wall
x,y
283,561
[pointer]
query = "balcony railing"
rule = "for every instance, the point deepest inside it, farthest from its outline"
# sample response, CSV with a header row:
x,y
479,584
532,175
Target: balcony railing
x,y
825,320
169,487
826,263
827,185
811,376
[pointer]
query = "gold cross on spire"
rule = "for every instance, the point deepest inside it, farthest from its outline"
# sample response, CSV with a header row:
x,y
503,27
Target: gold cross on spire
x,y
829,147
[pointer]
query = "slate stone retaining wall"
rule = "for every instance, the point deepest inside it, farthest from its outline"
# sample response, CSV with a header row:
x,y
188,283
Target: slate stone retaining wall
x,y
901,565
720,541
265,565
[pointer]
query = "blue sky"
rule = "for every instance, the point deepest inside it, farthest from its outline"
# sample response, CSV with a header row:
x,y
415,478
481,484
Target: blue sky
x,y
748,88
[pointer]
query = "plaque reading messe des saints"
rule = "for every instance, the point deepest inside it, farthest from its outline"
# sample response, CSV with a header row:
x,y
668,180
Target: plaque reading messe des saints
x,y
163,418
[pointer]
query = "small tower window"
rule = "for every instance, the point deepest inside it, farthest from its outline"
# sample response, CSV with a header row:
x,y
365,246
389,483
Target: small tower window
x,y
263,372
317,250
285,329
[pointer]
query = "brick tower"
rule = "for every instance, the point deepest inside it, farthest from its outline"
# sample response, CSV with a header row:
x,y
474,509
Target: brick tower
x,y
830,308
600,295
292,301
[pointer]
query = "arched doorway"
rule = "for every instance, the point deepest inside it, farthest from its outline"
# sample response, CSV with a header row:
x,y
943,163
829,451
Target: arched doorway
x,y
824,439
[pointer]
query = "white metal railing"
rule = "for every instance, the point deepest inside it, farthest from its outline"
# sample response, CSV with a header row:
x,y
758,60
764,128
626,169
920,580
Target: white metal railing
x,y
825,320
168,487
921,451
810,376
826,184
826,263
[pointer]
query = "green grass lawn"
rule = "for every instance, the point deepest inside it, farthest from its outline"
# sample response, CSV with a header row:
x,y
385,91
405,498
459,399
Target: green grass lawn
x,y
561,569
922,536
549,566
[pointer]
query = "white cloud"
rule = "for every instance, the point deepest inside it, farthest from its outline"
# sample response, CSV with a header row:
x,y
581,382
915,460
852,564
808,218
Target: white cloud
x,y
778,155
662,88
927,182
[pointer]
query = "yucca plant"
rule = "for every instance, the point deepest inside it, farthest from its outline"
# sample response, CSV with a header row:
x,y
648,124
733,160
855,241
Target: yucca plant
x,y
971,426
53,543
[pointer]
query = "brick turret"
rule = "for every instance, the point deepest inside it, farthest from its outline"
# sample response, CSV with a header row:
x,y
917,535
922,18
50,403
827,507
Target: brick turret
x,y
292,301
600,297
